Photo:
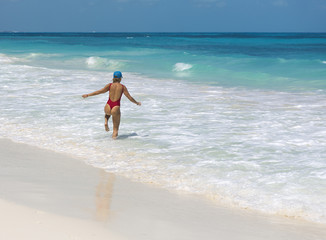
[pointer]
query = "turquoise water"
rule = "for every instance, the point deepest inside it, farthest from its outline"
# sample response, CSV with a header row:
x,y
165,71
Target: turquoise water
x,y
292,61
236,117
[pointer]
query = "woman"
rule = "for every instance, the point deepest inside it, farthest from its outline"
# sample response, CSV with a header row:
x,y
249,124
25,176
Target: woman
x,y
112,106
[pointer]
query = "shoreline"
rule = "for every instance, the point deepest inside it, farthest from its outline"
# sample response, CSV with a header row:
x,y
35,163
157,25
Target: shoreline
x,y
44,192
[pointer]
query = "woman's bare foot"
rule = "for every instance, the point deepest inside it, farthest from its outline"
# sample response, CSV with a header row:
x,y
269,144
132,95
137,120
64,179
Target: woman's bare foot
x,y
106,127
115,135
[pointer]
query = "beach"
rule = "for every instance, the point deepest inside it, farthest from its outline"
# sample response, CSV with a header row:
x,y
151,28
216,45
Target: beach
x,y
229,140
45,194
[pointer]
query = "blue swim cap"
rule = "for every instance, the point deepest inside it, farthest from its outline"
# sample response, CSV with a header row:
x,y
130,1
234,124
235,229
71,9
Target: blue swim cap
x,y
117,74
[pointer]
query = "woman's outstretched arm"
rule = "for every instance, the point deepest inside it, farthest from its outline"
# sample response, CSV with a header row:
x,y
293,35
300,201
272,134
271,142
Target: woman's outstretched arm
x,y
127,94
103,90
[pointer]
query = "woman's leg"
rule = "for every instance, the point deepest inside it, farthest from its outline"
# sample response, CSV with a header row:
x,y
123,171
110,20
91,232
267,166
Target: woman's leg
x,y
116,115
107,116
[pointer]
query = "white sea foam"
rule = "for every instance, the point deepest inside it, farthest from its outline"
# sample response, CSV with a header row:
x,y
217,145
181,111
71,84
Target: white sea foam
x,y
41,55
103,63
7,59
263,150
180,67
324,62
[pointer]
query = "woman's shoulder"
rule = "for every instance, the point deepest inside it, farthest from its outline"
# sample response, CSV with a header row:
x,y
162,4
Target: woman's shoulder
x,y
117,85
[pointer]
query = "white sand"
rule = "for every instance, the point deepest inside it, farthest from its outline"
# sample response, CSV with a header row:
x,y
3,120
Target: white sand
x,y
20,222
46,195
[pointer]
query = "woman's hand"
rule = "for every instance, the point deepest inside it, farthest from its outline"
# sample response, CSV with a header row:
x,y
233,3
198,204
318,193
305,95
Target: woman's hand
x,y
85,96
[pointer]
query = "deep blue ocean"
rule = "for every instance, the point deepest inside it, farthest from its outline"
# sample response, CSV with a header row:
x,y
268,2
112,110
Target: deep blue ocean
x,y
235,117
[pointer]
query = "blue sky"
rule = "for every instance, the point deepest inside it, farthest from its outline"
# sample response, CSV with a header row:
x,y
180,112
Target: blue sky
x,y
163,15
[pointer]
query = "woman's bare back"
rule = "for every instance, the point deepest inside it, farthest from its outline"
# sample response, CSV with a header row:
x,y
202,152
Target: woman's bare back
x,y
116,90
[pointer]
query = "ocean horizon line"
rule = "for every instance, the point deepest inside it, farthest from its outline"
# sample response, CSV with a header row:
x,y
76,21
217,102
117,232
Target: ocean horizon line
x,y
205,32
